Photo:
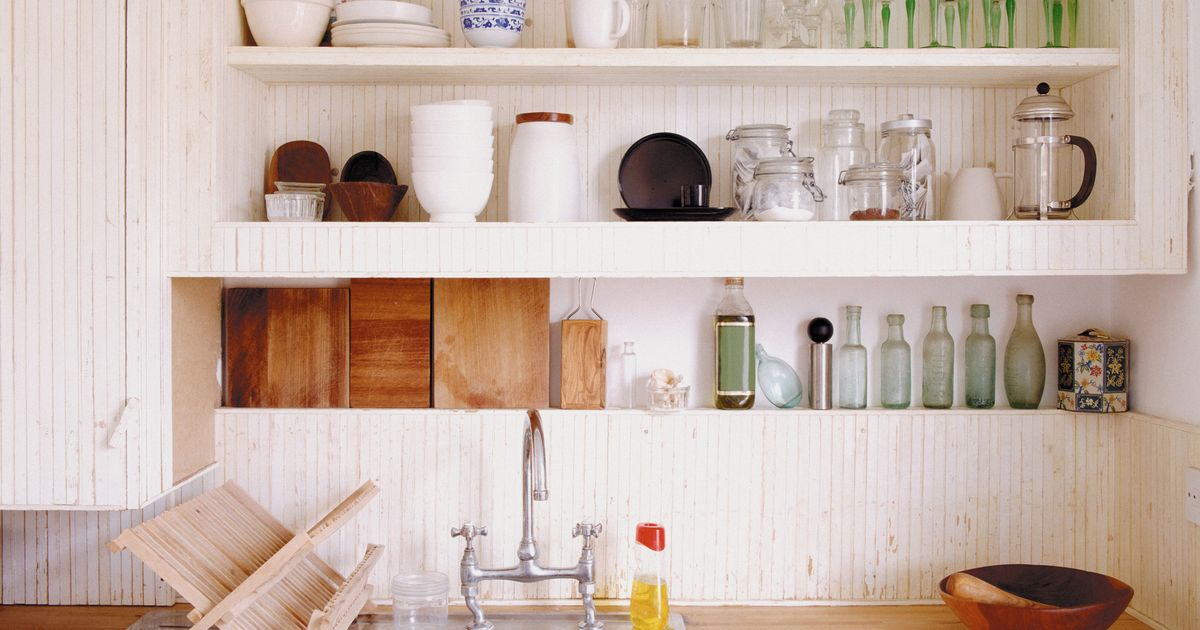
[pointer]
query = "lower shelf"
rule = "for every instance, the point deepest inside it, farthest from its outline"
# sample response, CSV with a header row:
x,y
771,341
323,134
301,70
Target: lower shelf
x,y
618,249
642,413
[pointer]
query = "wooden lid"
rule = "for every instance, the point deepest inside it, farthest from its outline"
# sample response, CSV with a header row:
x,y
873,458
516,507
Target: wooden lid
x,y
545,117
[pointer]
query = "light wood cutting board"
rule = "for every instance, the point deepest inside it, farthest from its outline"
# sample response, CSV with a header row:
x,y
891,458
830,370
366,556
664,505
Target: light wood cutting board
x,y
390,343
491,344
584,363
287,348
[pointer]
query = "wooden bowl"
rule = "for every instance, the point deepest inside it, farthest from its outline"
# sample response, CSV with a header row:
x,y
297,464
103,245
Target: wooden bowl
x,y
368,201
1082,600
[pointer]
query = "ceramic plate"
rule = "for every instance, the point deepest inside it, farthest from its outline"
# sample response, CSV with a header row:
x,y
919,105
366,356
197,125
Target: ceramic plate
x,y
657,166
674,214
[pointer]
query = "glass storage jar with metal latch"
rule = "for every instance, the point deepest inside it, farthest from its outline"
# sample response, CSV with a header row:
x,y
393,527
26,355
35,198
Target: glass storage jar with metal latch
x,y
785,190
876,191
752,144
908,141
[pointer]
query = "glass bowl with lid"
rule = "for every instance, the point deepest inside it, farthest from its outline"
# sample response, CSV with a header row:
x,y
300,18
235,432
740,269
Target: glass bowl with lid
x,y
876,191
785,189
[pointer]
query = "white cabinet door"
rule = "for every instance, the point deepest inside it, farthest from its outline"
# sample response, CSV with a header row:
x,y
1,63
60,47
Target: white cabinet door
x,y
63,373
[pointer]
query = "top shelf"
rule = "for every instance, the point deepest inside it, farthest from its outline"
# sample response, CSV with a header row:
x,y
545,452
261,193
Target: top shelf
x,y
526,66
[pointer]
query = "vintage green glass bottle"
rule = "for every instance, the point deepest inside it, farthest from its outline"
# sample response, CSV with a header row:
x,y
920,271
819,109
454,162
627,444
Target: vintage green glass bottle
x,y
937,369
852,364
981,360
895,367
735,361
1024,360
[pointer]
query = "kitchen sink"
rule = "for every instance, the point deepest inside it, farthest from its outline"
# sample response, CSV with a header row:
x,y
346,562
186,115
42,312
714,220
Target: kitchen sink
x,y
524,620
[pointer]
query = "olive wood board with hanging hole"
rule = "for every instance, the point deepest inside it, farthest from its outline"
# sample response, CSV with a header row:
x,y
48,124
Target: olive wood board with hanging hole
x,y
287,348
491,343
390,324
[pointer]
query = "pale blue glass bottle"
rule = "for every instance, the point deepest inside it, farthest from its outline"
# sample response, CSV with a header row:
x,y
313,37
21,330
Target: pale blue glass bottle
x,y
777,380
981,360
895,369
852,364
937,364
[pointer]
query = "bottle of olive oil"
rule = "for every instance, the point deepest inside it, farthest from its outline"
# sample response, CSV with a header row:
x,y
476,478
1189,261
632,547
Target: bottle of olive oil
x,y
735,377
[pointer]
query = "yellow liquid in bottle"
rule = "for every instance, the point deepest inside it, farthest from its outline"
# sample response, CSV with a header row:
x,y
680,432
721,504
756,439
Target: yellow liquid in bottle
x,y
648,604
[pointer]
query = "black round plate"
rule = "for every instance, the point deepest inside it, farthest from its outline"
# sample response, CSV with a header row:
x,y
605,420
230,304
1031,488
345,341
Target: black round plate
x,y
655,167
674,214
368,166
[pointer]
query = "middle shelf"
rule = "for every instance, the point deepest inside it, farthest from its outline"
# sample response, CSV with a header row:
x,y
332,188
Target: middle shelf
x,y
672,250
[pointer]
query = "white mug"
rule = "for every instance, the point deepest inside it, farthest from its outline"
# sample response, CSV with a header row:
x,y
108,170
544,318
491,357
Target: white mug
x,y
599,23
975,196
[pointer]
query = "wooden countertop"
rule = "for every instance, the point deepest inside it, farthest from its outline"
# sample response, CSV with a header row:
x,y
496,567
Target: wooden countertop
x,y
702,617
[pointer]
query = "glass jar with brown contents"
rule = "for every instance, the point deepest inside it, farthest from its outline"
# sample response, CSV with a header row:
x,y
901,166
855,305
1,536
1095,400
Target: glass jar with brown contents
x,y
876,191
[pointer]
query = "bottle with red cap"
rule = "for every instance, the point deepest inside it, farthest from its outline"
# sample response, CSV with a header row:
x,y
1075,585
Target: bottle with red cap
x,y
648,605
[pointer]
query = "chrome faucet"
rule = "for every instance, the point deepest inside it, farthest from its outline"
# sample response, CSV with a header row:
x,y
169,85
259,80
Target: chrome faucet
x,y
527,570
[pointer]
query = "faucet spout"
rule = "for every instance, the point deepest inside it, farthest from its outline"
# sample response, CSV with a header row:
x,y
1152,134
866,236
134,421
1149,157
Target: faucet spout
x,y
533,483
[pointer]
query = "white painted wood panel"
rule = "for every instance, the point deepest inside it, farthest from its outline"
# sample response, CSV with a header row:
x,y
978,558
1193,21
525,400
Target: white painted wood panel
x,y
63,233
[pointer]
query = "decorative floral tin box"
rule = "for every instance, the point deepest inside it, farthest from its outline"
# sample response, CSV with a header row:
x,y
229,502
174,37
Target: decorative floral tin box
x,y
1093,373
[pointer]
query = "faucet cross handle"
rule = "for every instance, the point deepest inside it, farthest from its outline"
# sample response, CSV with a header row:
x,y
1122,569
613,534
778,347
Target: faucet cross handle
x,y
469,531
588,531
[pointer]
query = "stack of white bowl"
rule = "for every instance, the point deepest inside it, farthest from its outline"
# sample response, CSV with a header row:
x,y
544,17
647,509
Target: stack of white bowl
x,y
288,22
492,23
452,148
386,23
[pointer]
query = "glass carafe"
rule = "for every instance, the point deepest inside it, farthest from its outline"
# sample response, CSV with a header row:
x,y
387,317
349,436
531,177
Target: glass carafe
x,y
1043,159
751,145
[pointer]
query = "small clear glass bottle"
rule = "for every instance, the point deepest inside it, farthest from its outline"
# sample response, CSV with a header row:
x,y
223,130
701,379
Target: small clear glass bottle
x,y
981,360
842,146
895,369
649,608
735,362
1024,360
852,363
420,601
629,378
908,141
937,369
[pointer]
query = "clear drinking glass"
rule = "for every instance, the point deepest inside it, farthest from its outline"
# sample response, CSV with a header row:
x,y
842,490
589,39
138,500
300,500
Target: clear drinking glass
x,y
639,13
804,16
741,22
420,601
680,23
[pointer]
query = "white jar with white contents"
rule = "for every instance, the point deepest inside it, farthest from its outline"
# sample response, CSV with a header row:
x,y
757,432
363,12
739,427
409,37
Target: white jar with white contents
x,y
543,169
786,190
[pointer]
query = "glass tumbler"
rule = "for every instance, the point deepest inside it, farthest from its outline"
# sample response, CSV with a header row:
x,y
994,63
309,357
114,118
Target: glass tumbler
x,y
741,22
680,23
420,601
639,13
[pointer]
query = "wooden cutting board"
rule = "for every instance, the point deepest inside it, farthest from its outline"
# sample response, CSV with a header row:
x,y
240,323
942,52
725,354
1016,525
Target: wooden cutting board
x,y
584,364
287,348
299,161
491,344
390,343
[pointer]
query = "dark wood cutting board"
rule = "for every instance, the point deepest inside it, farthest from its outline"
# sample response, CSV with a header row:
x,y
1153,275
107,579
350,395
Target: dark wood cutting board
x,y
299,161
390,343
491,344
287,348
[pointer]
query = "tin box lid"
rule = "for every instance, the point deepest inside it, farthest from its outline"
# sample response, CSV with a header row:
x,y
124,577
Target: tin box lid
x,y
1095,335
907,122
759,131
785,166
1043,106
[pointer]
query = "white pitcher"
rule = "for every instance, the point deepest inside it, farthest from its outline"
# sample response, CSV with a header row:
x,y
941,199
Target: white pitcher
x,y
975,196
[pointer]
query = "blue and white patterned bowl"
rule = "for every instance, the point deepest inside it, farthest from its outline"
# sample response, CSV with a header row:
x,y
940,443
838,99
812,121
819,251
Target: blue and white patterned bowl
x,y
492,23
492,10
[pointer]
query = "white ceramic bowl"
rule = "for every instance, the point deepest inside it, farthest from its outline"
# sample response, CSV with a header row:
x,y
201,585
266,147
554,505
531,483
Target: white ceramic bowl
x,y
453,111
453,197
492,37
383,9
453,152
452,165
460,140
473,127
288,22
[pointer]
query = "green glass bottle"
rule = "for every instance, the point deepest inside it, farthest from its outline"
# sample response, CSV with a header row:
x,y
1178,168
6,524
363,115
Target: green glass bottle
x,y
981,360
852,364
937,369
736,364
1024,360
895,367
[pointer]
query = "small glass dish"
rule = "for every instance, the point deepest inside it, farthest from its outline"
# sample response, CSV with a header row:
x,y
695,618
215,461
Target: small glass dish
x,y
294,207
668,399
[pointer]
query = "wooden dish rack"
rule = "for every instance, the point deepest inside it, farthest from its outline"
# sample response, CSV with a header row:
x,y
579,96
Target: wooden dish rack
x,y
242,569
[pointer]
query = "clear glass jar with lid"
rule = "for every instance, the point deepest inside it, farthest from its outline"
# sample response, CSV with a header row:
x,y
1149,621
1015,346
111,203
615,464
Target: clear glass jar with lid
x,y
420,601
785,190
876,191
842,138
751,145
908,141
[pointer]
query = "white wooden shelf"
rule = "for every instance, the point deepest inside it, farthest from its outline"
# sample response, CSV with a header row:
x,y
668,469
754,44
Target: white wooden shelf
x,y
524,66
618,249
957,412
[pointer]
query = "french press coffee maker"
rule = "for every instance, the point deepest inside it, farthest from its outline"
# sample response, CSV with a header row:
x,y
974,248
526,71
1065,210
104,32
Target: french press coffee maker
x,y
1043,159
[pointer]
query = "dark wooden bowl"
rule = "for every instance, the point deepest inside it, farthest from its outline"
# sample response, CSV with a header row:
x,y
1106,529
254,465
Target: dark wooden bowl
x,y
1084,600
368,201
